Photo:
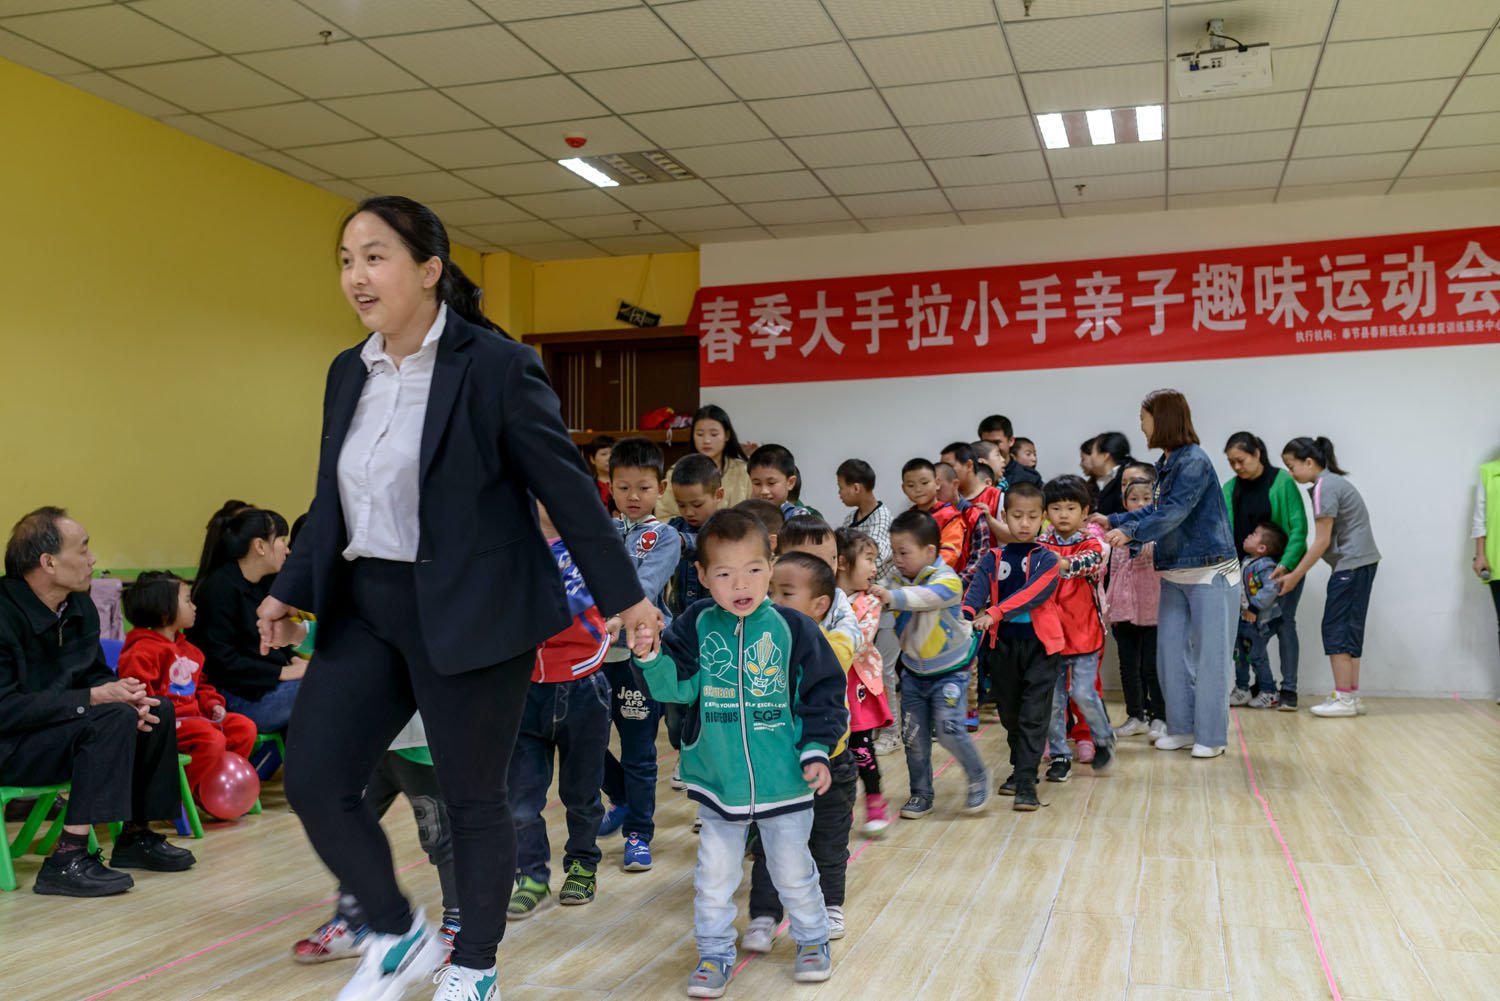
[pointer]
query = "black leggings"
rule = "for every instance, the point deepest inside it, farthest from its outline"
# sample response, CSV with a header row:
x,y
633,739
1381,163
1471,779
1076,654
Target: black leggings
x,y
862,746
369,675
1495,593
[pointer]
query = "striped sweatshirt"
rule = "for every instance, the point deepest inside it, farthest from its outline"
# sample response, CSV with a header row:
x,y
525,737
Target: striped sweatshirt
x,y
935,636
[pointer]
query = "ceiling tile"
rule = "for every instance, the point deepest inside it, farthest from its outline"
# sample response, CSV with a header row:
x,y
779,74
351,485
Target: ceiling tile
x,y
800,211
1218,199
1001,135
236,26
477,54
1390,20
1343,189
1473,94
710,125
1121,158
1102,40
289,165
669,195
1339,105
342,69
659,243
932,58
708,217
1234,114
1235,177
824,113
698,237
524,10
1016,10
346,189
1447,182
956,101
1464,130
867,178
1282,23
38,57
602,40
1120,206
1000,168
814,69
615,224
368,18
1367,137
216,84
366,158
121,93
475,148
1455,160
282,125
509,233
722,27
780,186
1011,215
1419,57
106,37
211,132
523,102
877,146
793,231
868,18
650,88
524,178
998,196
408,113
1110,187
468,211
604,135
1488,60
566,204
11,8
1338,169
1104,87
760,156
894,203
557,250
935,220
1248,147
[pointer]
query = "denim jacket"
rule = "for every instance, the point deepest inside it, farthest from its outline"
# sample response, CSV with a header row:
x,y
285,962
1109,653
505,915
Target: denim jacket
x,y
1186,518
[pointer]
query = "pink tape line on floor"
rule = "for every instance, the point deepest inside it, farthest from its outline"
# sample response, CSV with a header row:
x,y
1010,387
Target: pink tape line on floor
x,y
1470,709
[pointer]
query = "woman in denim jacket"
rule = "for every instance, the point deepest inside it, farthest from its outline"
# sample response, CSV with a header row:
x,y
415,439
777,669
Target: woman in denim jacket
x,y
1200,577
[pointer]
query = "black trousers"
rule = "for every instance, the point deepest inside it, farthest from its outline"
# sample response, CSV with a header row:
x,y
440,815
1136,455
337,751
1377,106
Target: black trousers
x,y
118,773
1137,646
364,683
833,817
1022,677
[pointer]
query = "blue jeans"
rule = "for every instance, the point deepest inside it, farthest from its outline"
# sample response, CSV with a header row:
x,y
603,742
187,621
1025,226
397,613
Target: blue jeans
x,y
272,711
931,707
631,778
1076,681
572,719
1285,631
721,866
1252,653
1194,634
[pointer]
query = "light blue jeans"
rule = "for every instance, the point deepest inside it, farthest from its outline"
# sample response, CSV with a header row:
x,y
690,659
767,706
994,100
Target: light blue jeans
x,y
721,866
1194,657
1076,681
936,706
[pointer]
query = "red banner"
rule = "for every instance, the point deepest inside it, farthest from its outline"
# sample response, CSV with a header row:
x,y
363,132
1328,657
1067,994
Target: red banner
x,y
1399,291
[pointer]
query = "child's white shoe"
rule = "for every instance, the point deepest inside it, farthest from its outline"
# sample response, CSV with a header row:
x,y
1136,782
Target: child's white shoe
x,y
760,935
460,983
393,963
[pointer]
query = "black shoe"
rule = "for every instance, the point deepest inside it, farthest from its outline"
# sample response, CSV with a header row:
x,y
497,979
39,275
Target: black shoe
x,y
1288,704
80,874
1103,758
149,850
1008,787
1058,770
1026,800
18,811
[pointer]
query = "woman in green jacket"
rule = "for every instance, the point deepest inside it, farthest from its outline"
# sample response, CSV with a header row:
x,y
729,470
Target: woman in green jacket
x,y
1260,492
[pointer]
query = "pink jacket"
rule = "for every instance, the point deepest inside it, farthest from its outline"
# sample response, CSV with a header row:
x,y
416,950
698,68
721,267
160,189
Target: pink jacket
x,y
1134,587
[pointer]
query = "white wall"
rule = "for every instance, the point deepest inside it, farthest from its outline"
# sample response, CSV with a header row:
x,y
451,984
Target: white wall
x,y
1413,425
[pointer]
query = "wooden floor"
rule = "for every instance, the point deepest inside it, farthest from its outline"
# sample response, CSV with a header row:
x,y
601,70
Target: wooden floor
x,y
1163,882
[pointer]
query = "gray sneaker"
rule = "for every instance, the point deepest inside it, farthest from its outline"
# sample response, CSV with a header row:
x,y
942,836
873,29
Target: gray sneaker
x,y
813,964
835,922
760,935
709,980
979,795
916,807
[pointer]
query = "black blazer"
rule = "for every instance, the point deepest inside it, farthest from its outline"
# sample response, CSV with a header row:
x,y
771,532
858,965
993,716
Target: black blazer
x,y
488,588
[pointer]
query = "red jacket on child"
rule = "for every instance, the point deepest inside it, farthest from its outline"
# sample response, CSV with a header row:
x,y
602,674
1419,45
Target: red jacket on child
x,y
171,670
1082,563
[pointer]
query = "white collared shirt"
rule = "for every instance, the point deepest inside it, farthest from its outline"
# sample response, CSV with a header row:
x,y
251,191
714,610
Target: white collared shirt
x,y
379,464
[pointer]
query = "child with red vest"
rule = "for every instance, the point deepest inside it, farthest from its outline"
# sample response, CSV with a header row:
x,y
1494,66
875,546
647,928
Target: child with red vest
x,y
919,481
160,606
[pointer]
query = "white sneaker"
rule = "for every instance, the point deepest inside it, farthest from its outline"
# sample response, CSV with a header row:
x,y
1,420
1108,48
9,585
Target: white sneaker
x,y
459,983
1158,729
677,782
1174,742
887,743
835,922
1131,727
1338,704
1239,697
759,935
1265,700
392,963
1204,751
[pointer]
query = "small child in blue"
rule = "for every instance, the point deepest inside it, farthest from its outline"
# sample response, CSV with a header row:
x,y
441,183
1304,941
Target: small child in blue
x,y
698,489
1259,611
636,471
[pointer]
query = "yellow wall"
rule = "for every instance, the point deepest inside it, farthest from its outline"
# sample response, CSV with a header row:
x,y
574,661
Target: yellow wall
x,y
583,295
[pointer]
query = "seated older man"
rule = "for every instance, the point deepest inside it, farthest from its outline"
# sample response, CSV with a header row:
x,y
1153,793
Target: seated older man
x,y
65,717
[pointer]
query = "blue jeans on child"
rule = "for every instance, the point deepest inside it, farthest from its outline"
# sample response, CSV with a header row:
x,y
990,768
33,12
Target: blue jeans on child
x,y
1076,681
631,778
572,719
1252,652
1285,631
1194,638
721,866
937,706
270,713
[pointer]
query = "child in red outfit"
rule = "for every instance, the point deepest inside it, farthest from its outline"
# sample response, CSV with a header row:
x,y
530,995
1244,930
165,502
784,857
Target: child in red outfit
x,y
159,605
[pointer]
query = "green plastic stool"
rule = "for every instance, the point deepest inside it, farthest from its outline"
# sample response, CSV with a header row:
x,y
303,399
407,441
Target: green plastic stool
x,y
268,738
23,841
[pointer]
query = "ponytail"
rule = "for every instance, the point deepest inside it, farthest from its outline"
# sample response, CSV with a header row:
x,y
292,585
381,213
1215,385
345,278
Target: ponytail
x,y
231,531
463,296
1319,450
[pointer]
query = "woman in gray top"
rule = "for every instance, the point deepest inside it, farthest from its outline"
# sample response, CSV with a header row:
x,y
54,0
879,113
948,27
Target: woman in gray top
x,y
1343,538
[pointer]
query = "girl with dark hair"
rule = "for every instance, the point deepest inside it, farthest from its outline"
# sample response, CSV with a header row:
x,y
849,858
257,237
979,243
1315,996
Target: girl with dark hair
x,y
715,437
1260,492
432,586
1199,603
1342,537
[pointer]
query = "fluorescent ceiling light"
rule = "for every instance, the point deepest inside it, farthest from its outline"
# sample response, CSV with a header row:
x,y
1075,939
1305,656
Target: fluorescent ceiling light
x,y
1148,123
1101,126
1054,132
593,174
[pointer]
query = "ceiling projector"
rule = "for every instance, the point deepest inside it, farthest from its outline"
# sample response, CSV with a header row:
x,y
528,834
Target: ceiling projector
x,y
1223,65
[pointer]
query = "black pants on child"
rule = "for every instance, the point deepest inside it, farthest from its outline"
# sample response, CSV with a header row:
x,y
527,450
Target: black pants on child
x,y
1137,646
862,747
1022,677
833,818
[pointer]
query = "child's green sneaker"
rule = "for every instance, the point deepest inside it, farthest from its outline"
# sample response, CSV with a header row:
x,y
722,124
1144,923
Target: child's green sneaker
x,y
578,887
530,896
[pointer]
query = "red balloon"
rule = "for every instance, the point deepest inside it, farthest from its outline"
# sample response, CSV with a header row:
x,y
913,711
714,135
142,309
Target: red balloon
x,y
231,788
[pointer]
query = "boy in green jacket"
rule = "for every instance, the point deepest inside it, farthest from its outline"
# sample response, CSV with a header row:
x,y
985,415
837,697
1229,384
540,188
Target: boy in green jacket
x,y
766,699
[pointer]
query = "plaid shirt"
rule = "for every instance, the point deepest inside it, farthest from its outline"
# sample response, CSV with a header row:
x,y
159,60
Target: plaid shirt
x,y
878,527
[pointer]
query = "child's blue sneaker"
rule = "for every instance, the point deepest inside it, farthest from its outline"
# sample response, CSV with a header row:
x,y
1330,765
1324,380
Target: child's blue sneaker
x,y
637,853
709,980
614,819
813,964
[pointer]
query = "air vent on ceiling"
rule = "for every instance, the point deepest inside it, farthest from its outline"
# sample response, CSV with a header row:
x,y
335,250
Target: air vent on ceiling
x,y
651,166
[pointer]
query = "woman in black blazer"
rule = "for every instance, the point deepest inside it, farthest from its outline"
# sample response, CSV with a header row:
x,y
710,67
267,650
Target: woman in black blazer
x,y
432,584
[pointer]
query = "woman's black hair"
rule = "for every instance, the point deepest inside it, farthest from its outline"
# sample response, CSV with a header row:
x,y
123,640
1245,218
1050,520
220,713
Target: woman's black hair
x,y
424,236
712,412
1249,444
231,531
1115,445
1319,450
151,602
594,446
